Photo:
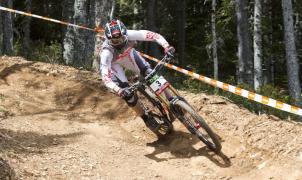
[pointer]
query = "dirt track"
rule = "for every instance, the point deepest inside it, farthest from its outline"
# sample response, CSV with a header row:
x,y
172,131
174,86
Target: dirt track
x,y
57,122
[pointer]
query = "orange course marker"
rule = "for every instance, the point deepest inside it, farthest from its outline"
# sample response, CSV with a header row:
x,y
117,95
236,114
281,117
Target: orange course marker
x,y
264,100
238,91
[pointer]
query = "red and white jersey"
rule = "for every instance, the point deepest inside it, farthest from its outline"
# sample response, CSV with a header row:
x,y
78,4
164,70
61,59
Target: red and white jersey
x,y
113,60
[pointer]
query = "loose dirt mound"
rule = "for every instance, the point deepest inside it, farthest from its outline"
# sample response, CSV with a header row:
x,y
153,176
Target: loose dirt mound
x,y
57,122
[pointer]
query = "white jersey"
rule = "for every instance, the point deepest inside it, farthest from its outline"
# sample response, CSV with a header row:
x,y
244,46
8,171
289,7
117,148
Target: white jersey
x,y
113,61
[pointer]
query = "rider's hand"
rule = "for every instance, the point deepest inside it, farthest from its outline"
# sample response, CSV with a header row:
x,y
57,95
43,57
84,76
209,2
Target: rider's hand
x,y
124,93
170,50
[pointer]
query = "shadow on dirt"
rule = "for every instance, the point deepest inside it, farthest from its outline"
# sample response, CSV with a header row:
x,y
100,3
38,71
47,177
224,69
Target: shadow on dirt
x,y
88,99
181,145
73,97
6,171
87,114
12,69
31,142
76,94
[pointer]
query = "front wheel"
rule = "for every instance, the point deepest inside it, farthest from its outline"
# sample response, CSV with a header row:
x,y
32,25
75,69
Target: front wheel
x,y
154,108
197,125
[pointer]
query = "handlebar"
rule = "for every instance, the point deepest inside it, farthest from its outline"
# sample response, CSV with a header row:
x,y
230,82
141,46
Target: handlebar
x,y
159,66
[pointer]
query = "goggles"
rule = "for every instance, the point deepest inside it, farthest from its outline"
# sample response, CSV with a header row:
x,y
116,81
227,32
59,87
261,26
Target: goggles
x,y
117,40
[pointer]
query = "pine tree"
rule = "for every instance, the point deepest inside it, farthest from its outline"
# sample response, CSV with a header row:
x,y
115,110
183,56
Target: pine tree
x,y
245,71
26,30
214,41
103,10
181,33
80,45
258,79
68,42
7,25
291,53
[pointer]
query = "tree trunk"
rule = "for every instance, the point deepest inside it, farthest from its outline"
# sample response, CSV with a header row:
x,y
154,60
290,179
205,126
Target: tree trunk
x,y
7,24
103,10
1,32
90,40
81,55
68,42
245,65
181,31
80,45
268,73
152,48
298,24
271,58
74,42
214,43
291,53
257,45
26,30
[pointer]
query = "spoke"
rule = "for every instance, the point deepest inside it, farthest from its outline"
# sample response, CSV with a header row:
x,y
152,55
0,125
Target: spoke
x,y
191,120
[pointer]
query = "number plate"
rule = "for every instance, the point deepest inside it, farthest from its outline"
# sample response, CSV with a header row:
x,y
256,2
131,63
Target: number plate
x,y
159,84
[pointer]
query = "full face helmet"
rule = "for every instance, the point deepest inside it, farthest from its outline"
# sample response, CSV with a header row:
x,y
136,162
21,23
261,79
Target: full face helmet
x,y
116,33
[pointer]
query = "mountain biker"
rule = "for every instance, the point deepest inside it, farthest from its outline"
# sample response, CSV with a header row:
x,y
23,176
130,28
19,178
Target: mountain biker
x,y
118,52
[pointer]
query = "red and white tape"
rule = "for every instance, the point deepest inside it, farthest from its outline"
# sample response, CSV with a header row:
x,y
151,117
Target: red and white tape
x,y
239,91
49,19
227,87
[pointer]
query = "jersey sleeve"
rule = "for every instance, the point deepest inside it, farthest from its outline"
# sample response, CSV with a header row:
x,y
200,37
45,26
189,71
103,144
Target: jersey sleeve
x,y
106,71
144,35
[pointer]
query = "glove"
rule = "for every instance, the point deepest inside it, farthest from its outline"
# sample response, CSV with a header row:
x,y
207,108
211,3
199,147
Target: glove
x,y
125,93
170,50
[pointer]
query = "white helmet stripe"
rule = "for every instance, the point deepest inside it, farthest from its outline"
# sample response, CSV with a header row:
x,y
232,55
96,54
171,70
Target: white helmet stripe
x,y
119,25
109,30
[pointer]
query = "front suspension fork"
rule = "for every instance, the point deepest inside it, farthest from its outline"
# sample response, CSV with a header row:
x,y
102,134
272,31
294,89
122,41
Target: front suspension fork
x,y
180,115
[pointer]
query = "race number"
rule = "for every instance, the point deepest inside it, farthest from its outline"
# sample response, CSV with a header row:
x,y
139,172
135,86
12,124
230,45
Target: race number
x,y
159,84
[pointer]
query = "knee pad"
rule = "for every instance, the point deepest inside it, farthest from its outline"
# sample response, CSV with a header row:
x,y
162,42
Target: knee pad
x,y
123,84
131,100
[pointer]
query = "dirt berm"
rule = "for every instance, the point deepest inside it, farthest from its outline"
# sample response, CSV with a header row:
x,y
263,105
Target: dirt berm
x,y
58,122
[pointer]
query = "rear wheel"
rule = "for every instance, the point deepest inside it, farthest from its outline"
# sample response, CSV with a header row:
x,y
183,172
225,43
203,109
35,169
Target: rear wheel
x,y
197,125
154,108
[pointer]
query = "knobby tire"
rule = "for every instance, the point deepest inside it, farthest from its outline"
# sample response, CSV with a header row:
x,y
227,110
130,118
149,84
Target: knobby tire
x,y
149,100
190,124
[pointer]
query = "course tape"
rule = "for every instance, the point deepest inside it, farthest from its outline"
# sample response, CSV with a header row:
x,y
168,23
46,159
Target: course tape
x,y
49,19
227,87
241,92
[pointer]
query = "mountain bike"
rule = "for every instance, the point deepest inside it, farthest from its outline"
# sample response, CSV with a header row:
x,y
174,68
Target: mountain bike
x,y
161,100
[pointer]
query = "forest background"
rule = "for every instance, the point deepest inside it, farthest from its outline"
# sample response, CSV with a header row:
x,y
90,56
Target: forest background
x,y
254,44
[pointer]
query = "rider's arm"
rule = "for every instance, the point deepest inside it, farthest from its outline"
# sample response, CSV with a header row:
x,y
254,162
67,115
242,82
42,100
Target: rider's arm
x,y
106,71
144,35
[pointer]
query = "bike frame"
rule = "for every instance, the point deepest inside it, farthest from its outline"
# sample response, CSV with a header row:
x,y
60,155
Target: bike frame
x,y
167,96
167,99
